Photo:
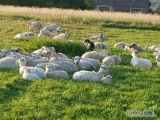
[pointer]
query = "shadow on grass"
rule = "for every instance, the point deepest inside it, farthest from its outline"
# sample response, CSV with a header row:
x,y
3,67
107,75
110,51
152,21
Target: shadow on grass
x,y
13,90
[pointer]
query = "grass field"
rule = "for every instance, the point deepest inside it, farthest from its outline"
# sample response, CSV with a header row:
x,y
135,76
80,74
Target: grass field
x,y
131,89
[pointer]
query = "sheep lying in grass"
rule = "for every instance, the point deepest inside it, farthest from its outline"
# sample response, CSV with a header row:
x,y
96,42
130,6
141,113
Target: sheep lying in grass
x,y
61,36
51,27
55,74
158,59
8,62
112,60
29,74
91,75
139,62
22,62
100,45
43,66
154,48
95,62
100,36
66,64
120,45
25,35
95,55
45,33
133,46
83,65
37,25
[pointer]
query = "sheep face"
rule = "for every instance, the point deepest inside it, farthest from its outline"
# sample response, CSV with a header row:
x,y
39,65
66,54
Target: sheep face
x,y
104,69
77,60
22,61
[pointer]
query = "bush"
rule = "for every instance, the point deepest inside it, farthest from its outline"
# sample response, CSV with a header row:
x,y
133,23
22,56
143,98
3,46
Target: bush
x,y
66,47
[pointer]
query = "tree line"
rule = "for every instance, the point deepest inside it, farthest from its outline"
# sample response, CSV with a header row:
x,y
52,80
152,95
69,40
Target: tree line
x,y
74,4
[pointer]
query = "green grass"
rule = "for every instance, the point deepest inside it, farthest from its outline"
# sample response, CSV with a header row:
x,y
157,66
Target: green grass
x,y
132,88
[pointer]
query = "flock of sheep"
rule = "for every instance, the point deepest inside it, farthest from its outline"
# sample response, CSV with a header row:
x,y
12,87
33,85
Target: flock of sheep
x,y
47,63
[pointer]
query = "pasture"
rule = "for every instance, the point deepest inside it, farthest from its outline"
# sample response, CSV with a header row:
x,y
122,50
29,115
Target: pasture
x,y
131,89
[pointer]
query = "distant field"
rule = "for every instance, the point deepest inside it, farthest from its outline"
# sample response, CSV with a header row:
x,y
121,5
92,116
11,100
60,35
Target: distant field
x,y
132,88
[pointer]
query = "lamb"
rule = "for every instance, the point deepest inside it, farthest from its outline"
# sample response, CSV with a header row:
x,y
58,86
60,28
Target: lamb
x,y
90,44
56,74
139,62
61,36
107,79
8,62
112,60
22,62
120,45
37,25
83,65
29,74
95,55
91,75
100,45
45,33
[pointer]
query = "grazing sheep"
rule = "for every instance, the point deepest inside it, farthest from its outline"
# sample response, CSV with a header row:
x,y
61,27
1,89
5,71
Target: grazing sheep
x,y
91,75
95,55
95,62
22,62
112,60
29,74
62,36
56,74
45,33
8,62
90,44
120,45
37,25
100,45
107,79
51,28
139,62
83,65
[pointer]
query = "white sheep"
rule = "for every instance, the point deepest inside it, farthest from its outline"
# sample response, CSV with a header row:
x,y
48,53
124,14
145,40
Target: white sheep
x,y
133,46
158,59
45,33
55,74
61,36
102,37
8,62
100,45
66,64
51,27
29,74
107,79
112,60
154,47
95,55
120,45
139,62
37,25
95,62
94,37
25,35
43,66
22,62
83,65
91,75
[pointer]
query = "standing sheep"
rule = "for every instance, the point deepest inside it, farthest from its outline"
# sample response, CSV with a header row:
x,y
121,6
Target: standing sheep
x,y
37,25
